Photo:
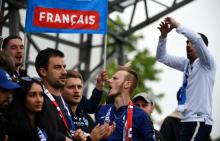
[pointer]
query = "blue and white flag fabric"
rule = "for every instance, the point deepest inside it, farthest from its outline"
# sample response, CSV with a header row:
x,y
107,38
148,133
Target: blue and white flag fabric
x,y
181,94
67,16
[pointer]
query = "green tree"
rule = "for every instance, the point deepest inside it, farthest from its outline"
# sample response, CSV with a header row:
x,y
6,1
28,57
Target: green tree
x,y
141,61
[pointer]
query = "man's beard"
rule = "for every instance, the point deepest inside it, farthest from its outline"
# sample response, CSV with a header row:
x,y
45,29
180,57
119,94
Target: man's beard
x,y
57,85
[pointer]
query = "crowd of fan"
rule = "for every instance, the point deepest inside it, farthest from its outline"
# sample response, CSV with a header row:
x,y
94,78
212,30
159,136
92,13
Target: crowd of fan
x,y
52,107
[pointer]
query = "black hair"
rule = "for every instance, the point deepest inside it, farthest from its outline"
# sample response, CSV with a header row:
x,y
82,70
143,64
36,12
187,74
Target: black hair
x,y
204,38
7,39
26,84
19,127
43,57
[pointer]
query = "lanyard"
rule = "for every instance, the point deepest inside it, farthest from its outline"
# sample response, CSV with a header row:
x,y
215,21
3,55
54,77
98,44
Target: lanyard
x,y
41,134
127,136
127,129
68,116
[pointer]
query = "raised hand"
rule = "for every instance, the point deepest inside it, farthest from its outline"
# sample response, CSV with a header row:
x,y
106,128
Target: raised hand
x,y
164,29
101,79
172,22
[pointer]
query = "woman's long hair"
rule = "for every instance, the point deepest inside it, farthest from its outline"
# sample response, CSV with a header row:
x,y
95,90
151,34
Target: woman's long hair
x,y
19,127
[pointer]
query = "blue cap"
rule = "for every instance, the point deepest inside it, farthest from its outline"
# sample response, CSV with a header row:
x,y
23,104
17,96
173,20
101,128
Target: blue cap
x,y
6,81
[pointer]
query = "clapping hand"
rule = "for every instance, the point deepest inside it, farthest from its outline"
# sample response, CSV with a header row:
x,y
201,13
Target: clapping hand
x,y
102,131
79,135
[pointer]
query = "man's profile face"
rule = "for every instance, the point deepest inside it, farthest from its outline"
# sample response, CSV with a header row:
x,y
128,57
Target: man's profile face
x,y
116,83
190,51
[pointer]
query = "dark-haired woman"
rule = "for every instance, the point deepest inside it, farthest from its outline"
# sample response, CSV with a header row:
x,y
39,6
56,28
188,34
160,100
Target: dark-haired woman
x,y
27,119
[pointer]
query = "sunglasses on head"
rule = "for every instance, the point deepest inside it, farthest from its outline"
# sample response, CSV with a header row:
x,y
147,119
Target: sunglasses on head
x,y
29,79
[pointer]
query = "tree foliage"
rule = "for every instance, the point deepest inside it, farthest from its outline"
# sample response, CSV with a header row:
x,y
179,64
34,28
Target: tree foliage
x,y
141,61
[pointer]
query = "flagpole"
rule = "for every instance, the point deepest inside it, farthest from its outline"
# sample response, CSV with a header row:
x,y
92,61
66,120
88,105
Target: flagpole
x,y
105,51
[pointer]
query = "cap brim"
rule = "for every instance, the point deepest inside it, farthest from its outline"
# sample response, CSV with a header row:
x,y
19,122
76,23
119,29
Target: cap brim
x,y
141,95
9,85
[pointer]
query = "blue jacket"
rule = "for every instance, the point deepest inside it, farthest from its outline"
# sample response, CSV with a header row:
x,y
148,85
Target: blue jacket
x,y
142,129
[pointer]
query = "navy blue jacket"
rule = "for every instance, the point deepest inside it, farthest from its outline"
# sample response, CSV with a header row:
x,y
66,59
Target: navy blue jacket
x,y
142,129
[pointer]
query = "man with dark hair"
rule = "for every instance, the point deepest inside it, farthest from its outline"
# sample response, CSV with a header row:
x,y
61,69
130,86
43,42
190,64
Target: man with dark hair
x,y
195,95
50,66
132,123
14,47
43,58
6,90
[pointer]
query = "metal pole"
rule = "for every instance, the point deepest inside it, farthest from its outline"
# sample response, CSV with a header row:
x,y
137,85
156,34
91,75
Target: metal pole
x,y
105,51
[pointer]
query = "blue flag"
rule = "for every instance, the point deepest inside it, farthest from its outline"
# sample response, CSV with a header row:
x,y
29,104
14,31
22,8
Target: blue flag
x,y
67,16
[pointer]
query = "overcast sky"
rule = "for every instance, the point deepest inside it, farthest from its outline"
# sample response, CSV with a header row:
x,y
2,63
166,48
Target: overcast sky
x,y
200,16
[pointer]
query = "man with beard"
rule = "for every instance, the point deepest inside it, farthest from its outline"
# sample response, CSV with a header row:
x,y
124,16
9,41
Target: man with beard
x,y
132,123
195,95
14,47
50,66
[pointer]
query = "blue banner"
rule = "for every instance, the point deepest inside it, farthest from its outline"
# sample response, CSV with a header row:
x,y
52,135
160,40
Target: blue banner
x,y
67,16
